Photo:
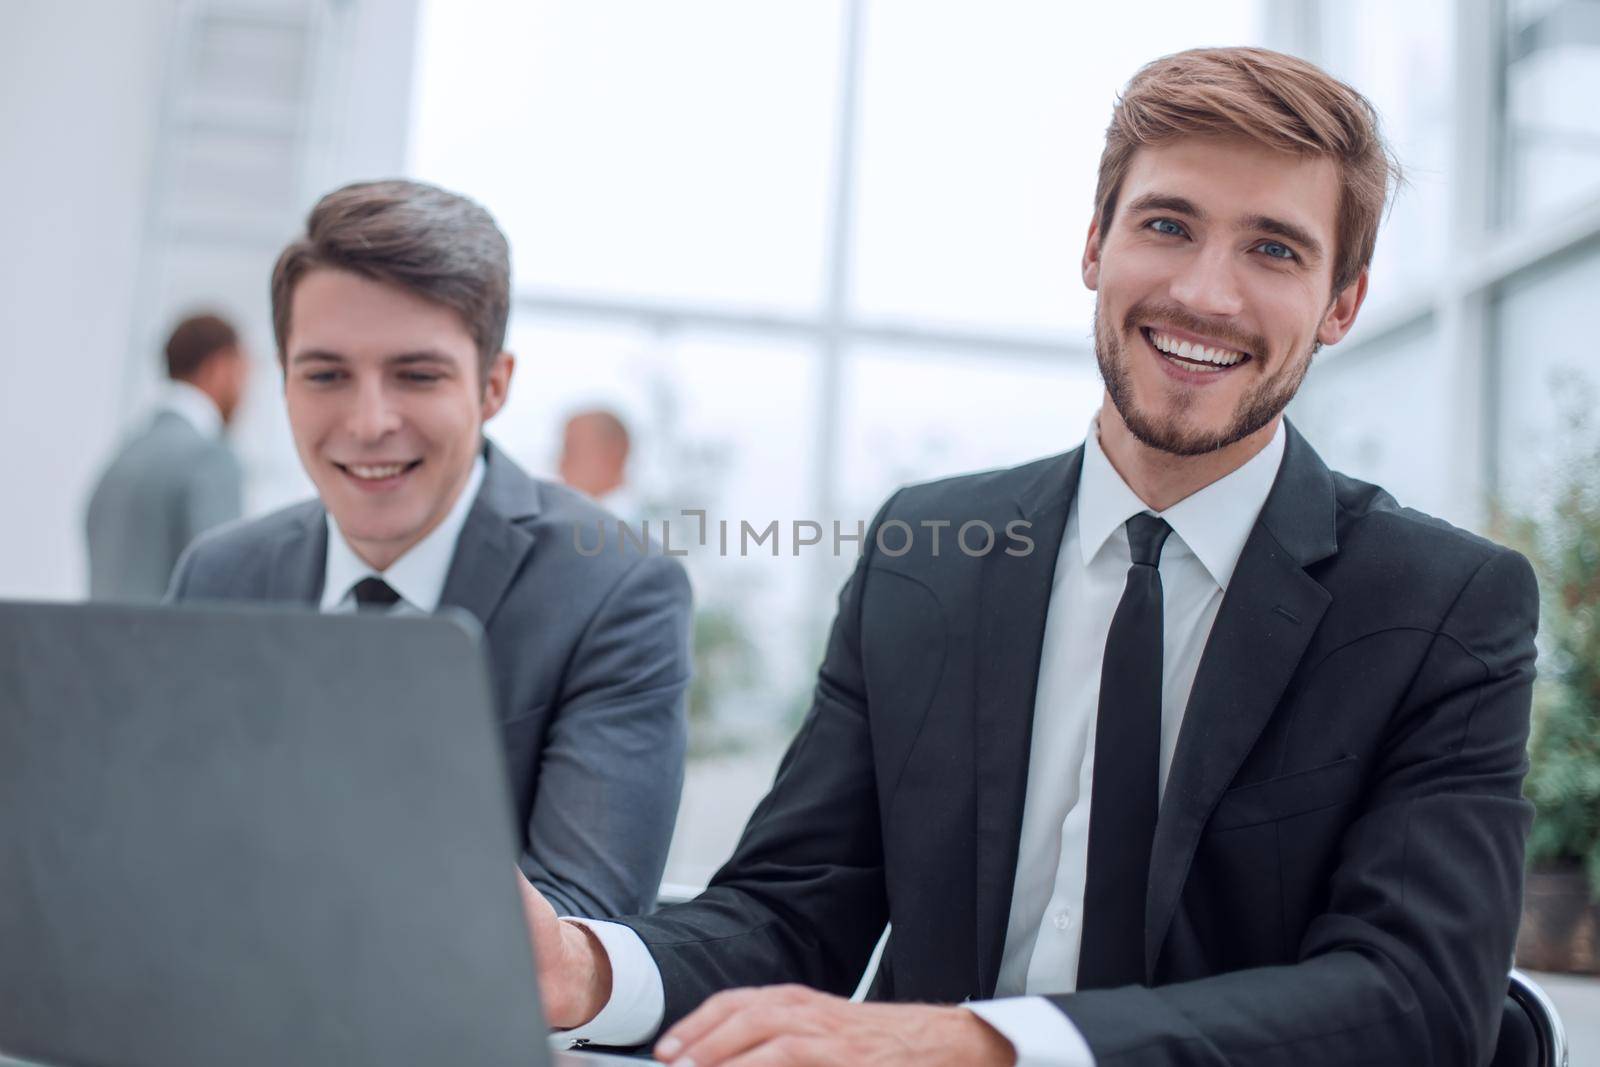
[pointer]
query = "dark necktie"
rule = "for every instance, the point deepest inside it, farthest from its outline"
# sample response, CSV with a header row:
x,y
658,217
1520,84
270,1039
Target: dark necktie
x,y
1127,766
373,594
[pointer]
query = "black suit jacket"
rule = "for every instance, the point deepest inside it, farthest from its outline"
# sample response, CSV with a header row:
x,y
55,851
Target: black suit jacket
x,y
590,662
1337,869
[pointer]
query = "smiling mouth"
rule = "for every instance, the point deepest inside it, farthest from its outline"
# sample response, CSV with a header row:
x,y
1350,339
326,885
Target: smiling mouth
x,y
1192,356
378,472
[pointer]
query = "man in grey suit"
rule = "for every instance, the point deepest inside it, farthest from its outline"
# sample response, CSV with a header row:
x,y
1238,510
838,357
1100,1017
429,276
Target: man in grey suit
x,y
175,479
390,313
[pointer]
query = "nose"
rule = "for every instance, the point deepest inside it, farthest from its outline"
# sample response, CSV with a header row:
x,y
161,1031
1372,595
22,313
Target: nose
x,y
1209,285
373,414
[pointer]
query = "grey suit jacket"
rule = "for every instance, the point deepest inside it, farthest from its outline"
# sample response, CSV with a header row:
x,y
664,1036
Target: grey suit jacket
x,y
168,485
590,657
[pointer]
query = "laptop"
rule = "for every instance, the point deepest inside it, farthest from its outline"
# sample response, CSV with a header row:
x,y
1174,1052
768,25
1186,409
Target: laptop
x,y
254,836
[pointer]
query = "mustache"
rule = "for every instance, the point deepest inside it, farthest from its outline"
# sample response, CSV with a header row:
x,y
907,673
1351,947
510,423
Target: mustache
x,y
1182,318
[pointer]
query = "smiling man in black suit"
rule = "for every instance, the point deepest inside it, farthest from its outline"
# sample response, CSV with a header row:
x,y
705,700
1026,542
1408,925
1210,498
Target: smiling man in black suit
x,y
1227,769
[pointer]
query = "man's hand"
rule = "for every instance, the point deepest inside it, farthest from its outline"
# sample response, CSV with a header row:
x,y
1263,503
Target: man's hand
x,y
792,1026
574,971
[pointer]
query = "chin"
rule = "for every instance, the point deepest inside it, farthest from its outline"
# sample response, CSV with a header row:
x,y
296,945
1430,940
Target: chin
x,y
362,526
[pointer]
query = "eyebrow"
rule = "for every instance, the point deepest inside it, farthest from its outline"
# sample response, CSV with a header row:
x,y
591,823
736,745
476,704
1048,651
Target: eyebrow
x,y
1165,202
1179,205
404,359
426,355
1288,231
316,355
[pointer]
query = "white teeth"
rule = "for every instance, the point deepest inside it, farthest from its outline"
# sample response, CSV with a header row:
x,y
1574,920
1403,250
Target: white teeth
x,y
1221,357
377,472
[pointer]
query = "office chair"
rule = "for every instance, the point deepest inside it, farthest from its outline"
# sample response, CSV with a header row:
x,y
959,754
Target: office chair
x,y
1531,1034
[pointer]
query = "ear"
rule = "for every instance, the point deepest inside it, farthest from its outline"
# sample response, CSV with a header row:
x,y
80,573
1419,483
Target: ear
x,y
497,384
1091,256
1341,314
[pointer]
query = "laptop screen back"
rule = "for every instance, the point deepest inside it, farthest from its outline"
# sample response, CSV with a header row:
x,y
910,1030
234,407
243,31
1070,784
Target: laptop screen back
x,y
255,837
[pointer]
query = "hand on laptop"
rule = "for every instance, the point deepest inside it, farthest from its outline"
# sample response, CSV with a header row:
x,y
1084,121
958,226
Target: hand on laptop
x,y
793,1026
574,971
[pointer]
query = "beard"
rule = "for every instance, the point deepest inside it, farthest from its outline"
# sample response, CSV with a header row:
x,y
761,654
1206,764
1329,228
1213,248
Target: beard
x,y
1171,432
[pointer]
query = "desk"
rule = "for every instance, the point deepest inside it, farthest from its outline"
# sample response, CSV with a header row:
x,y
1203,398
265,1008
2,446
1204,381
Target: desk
x,y
560,1057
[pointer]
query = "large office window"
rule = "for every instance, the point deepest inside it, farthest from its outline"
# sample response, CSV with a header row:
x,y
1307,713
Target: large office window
x,y
640,150
1541,373
1551,127
814,250
810,251
1450,390
1399,57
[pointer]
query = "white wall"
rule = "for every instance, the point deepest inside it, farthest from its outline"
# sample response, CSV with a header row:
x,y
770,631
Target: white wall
x,y
80,85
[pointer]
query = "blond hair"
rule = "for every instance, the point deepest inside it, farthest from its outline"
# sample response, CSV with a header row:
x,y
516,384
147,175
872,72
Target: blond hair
x,y
1271,98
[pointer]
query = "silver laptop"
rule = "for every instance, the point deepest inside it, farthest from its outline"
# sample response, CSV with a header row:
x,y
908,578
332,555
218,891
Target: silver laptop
x,y
256,837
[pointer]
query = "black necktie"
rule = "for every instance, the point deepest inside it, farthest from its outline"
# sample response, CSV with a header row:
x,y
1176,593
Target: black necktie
x,y
373,594
1127,766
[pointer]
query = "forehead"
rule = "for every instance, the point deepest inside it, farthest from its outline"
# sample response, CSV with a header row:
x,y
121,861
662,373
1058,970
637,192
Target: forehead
x,y
356,317
1235,178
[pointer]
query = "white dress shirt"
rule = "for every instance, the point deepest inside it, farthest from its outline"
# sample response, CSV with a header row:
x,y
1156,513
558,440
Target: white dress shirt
x,y
195,406
418,575
1045,928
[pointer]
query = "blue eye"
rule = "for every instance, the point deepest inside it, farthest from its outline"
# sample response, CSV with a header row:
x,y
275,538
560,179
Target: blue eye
x,y
322,377
1278,251
1166,226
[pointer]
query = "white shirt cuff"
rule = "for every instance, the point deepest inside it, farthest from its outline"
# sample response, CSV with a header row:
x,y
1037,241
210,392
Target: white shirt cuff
x,y
1040,1032
638,1002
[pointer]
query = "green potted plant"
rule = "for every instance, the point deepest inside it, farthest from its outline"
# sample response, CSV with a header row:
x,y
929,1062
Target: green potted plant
x,y
1561,917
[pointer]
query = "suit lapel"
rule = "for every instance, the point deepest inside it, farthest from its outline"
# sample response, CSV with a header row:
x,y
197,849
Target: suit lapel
x,y
1014,598
300,567
493,542
1268,616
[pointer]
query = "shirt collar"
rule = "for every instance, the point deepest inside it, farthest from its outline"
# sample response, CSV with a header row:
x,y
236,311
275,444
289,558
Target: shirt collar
x,y
194,406
1213,523
418,575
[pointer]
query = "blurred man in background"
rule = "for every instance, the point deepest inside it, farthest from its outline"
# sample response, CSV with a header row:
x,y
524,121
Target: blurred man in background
x,y
594,460
177,478
390,317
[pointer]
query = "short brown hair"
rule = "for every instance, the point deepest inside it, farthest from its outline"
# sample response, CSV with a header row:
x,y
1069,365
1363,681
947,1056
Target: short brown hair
x,y
1271,98
195,340
441,246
